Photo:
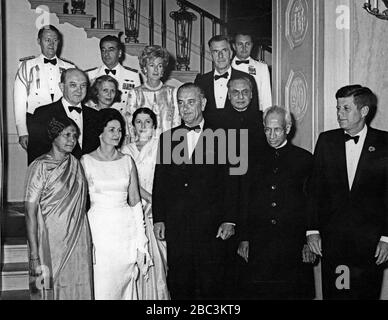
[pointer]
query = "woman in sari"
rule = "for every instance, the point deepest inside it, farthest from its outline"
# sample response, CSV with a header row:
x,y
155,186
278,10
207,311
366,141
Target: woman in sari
x,y
153,94
60,261
144,152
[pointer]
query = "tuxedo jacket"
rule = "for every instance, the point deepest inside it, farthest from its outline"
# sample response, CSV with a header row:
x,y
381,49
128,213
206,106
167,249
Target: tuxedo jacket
x,y
351,222
39,142
191,199
213,115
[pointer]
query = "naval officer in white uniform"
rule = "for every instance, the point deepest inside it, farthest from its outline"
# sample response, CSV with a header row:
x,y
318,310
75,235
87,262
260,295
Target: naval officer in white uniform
x,y
37,80
111,53
243,61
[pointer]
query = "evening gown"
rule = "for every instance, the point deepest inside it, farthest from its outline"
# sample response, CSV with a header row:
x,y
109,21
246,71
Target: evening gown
x,y
117,229
155,287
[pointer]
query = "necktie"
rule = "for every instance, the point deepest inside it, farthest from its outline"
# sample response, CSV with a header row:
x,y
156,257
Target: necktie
x,y
225,76
238,62
349,137
107,71
195,128
76,109
52,61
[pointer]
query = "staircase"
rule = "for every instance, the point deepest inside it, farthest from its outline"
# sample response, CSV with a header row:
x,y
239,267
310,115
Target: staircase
x,y
87,21
14,268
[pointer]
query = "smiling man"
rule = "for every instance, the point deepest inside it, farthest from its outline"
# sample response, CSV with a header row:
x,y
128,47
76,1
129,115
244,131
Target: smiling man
x,y
112,54
36,82
74,84
348,207
214,83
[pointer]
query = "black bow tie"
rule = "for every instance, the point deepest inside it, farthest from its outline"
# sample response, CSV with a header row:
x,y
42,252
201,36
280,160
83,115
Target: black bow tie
x,y
349,137
195,128
107,71
76,109
225,76
52,61
238,62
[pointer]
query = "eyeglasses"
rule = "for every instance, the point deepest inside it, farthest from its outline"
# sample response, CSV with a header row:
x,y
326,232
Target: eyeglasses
x,y
70,135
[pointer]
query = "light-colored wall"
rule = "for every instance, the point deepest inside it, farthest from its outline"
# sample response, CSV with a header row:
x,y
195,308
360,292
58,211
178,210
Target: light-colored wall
x,y
355,53
22,24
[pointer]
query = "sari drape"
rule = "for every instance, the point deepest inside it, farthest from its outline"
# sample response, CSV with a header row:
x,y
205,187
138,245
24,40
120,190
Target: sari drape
x,y
60,190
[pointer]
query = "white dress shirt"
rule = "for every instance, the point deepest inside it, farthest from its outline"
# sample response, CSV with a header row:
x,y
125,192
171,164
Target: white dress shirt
x,y
221,88
193,137
75,116
353,153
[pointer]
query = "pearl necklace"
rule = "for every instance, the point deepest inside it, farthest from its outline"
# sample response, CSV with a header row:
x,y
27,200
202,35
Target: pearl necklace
x,y
104,157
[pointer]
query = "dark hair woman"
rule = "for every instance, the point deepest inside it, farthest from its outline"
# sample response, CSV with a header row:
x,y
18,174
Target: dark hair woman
x,y
60,261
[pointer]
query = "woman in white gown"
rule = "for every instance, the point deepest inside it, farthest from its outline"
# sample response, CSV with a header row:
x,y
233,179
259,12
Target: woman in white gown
x,y
116,216
144,152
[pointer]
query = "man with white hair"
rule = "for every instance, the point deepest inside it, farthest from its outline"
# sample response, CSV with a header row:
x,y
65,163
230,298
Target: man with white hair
x,y
274,235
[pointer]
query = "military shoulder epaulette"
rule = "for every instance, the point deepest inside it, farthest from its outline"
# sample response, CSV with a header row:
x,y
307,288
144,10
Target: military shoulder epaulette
x,y
131,69
26,58
68,61
91,69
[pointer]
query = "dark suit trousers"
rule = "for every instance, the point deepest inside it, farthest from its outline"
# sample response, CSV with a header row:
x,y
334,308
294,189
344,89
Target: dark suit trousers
x,y
195,270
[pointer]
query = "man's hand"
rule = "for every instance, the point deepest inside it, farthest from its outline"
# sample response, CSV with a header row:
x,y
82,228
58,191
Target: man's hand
x,y
159,230
23,141
315,244
307,255
381,252
225,231
243,250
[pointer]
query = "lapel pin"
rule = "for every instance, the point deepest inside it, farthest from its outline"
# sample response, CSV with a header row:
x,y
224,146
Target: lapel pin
x,y
372,149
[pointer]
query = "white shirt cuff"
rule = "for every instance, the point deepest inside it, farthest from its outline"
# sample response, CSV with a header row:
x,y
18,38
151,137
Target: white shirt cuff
x,y
311,232
384,239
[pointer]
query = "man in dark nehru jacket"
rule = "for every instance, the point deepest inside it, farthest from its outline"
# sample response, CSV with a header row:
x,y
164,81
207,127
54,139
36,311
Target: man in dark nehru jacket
x,y
274,235
349,200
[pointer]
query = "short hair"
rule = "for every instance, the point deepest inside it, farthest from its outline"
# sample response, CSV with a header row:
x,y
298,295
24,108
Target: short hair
x,y
242,34
362,96
278,110
104,116
190,85
93,92
150,53
246,79
49,27
66,71
57,125
110,38
145,111
218,38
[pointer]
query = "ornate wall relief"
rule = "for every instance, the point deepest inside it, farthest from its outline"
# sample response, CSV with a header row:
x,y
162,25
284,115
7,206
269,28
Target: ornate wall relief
x,y
296,91
296,22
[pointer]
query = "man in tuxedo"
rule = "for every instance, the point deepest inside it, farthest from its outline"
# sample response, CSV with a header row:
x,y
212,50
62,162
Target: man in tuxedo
x,y
111,54
214,83
243,61
273,238
37,80
349,200
190,202
74,84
